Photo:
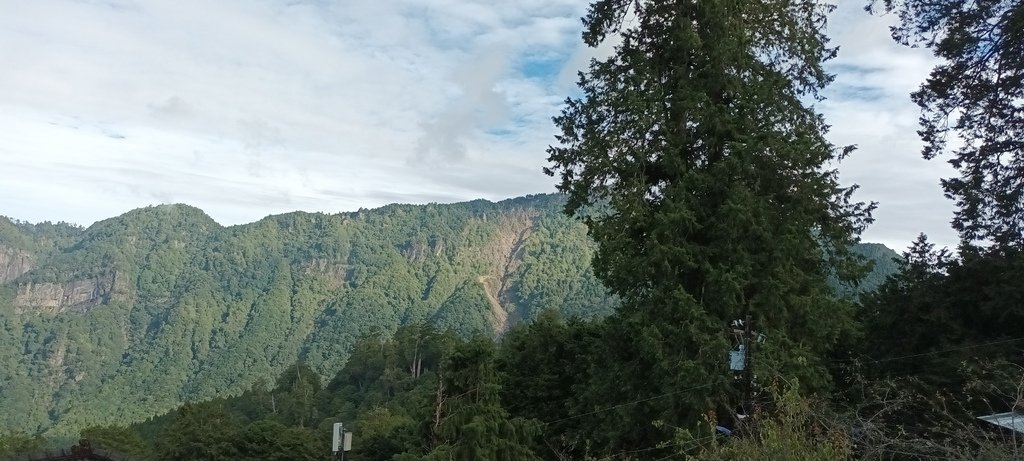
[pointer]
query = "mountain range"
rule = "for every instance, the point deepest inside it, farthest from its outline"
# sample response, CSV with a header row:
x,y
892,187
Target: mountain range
x,y
134,315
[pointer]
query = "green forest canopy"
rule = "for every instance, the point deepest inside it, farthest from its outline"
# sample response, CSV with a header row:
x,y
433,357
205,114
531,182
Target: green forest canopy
x,y
172,307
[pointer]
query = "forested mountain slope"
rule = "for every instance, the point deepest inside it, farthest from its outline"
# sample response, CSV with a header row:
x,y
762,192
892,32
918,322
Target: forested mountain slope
x,y
138,313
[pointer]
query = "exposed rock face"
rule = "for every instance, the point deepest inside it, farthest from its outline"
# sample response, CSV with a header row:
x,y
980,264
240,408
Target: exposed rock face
x,y
504,254
77,295
335,274
13,263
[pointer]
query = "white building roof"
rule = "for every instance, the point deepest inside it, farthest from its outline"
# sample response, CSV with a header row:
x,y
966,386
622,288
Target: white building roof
x,y
1010,420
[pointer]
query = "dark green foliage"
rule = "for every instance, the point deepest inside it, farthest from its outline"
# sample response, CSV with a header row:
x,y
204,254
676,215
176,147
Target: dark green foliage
x,y
941,345
19,442
904,311
296,393
383,433
542,363
470,423
120,440
703,177
547,368
939,303
976,96
273,441
420,395
793,430
200,432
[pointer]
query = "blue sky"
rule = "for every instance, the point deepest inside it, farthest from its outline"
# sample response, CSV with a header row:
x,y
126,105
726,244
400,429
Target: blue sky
x,y
247,108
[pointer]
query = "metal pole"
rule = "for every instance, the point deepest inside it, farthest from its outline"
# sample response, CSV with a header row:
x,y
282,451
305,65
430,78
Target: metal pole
x,y
748,372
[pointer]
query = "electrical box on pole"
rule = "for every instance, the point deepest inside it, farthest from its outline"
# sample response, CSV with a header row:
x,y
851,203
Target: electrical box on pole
x,y
341,441
738,358
337,436
741,363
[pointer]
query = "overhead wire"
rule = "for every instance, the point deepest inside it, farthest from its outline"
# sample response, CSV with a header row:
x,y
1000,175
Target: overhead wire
x,y
658,447
944,351
626,404
634,402
693,388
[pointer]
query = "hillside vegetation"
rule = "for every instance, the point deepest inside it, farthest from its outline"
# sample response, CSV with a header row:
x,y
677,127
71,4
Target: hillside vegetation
x,y
716,223
136,314
139,313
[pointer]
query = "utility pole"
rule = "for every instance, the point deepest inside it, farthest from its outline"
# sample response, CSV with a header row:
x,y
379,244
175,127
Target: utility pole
x,y
741,362
748,371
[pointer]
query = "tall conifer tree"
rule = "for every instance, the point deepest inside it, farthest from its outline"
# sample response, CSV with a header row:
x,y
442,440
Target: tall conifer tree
x,y
976,94
704,177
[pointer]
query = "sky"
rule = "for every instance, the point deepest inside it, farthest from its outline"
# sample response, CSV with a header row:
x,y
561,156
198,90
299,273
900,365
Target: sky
x,y
247,108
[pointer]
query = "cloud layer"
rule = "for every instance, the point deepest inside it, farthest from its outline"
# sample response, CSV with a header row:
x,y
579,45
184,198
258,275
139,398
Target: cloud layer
x,y
869,106
246,108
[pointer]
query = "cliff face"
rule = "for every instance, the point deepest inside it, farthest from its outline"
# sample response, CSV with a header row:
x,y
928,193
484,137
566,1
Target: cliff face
x,y
74,296
13,263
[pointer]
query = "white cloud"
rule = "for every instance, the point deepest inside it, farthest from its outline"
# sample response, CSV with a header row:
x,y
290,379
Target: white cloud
x,y
869,105
246,108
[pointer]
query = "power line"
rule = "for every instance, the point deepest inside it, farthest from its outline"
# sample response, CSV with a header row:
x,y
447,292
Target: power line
x,y
626,404
688,443
923,354
630,452
658,447
689,389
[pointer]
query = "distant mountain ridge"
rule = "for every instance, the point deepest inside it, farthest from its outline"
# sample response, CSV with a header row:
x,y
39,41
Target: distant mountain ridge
x,y
138,313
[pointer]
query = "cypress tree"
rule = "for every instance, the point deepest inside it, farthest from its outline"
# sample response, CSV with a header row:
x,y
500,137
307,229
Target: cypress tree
x,y
707,182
